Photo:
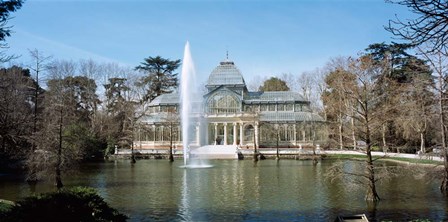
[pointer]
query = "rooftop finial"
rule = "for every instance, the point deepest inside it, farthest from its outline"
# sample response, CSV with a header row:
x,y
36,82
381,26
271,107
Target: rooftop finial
x,y
227,61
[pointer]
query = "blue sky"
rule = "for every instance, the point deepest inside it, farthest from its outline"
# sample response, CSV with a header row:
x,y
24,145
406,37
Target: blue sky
x,y
263,37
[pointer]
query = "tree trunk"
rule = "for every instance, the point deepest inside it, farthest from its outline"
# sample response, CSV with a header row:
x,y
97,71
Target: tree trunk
x,y
353,133
59,159
422,143
341,138
444,185
32,177
132,154
371,195
383,135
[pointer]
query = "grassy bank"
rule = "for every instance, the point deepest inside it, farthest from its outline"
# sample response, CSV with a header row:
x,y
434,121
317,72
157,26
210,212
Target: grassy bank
x,y
5,205
398,159
411,160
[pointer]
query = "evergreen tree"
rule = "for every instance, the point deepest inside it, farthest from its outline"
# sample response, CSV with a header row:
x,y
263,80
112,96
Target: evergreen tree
x,y
274,84
160,76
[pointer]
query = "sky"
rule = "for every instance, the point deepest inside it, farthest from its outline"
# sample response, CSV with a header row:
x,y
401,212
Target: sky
x,y
263,37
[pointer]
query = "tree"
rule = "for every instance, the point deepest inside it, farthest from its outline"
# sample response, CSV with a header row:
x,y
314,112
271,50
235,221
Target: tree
x,y
415,105
398,71
255,83
6,7
430,26
121,112
291,81
366,113
335,99
364,109
16,109
274,84
65,136
172,120
39,65
438,63
159,78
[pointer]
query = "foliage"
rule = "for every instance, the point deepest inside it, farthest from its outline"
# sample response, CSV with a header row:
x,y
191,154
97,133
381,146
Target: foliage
x,y
4,207
65,136
75,204
120,114
159,78
337,102
16,108
274,84
6,7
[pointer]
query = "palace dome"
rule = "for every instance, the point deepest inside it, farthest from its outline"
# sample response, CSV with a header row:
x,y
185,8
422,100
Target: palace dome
x,y
226,73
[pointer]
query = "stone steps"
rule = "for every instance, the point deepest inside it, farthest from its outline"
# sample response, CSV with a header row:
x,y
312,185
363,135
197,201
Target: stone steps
x,y
215,152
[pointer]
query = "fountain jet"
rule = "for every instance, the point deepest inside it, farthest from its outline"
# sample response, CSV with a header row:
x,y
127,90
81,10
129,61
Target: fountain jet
x,y
188,91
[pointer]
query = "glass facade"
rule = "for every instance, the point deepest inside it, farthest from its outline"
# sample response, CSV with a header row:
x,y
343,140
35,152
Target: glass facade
x,y
232,115
223,103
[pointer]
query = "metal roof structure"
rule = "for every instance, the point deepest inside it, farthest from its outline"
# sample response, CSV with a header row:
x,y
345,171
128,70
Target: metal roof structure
x,y
290,117
274,96
166,99
226,73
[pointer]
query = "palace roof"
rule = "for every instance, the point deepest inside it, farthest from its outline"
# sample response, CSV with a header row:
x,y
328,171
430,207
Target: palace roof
x,y
226,73
274,96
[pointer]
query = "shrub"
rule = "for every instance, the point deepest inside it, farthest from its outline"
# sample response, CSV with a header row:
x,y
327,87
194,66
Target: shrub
x,y
75,204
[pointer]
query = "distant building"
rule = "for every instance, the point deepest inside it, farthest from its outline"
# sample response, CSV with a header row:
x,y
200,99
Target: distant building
x,y
231,115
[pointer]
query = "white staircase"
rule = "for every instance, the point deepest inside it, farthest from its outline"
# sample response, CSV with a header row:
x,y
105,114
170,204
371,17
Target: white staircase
x,y
215,152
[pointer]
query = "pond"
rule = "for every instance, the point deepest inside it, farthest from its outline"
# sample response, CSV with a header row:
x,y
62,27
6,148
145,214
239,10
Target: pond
x,y
288,190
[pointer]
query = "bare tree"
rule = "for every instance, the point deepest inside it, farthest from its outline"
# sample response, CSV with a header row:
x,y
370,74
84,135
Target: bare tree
x,y
305,84
64,136
359,86
291,81
438,63
255,83
172,121
39,65
430,26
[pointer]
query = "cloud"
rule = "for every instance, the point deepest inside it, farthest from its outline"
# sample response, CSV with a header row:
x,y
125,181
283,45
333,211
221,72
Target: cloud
x,y
24,40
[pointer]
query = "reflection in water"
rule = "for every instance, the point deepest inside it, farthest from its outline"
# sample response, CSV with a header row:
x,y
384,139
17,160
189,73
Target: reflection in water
x,y
288,190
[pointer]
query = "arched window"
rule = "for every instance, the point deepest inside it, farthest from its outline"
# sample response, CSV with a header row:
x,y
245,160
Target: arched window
x,y
223,103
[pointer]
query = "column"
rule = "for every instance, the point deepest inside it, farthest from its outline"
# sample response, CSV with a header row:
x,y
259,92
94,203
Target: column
x,y
216,133
154,133
241,134
286,132
225,133
295,134
234,134
162,131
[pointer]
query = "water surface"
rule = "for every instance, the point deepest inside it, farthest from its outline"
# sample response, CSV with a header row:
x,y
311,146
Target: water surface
x,y
288,190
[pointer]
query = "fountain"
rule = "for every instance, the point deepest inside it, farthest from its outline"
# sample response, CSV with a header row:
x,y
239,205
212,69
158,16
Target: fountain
x,y
188,90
